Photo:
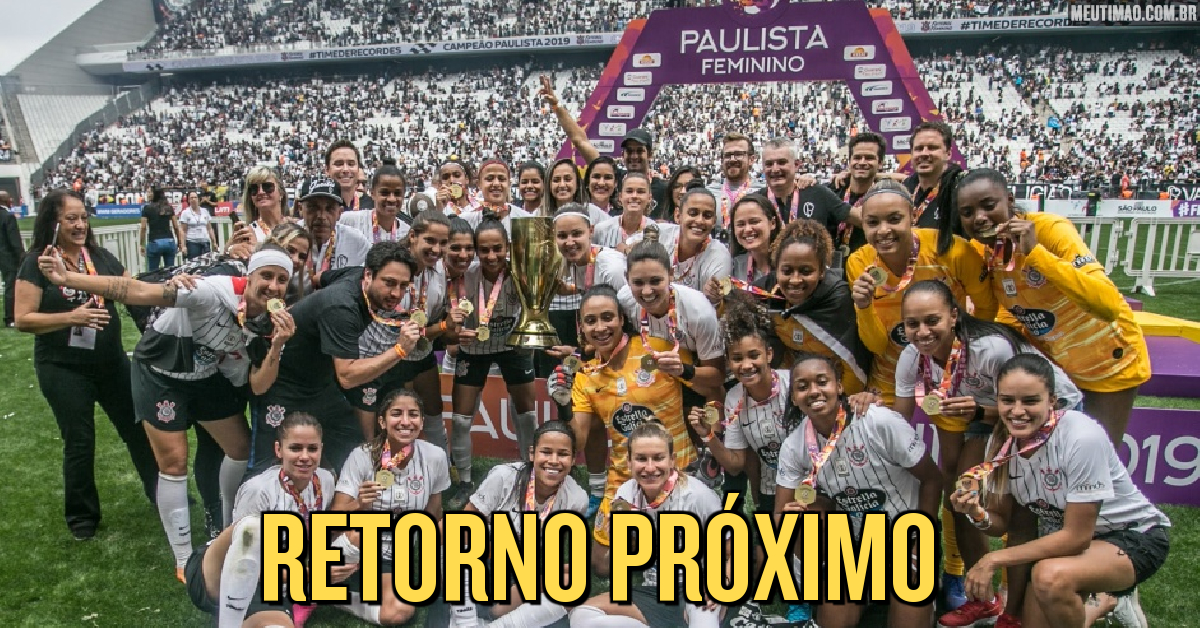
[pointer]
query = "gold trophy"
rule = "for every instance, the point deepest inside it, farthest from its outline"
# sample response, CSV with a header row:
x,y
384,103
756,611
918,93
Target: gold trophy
x,y
535,264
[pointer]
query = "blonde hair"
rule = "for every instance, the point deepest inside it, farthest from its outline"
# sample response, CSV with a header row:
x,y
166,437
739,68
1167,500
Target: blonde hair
x,y
261,174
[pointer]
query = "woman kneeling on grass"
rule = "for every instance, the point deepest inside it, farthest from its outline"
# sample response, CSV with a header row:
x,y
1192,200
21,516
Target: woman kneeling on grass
x,y
1099,533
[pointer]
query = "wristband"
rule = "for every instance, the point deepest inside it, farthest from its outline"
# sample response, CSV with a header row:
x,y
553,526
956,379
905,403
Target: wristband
x,y
689,372
442,326
400,351
706,439
984,522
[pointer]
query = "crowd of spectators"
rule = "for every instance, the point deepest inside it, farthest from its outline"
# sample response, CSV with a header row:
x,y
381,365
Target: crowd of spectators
x,y
1037,115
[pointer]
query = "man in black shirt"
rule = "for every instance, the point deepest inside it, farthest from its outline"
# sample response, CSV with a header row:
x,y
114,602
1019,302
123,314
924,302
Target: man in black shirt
x,y
347,334
867,151
934,177
11,252
815,202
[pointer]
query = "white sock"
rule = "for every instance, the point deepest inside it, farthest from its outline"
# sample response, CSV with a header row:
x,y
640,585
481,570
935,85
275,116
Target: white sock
x,y
526,424
697,617
592,617
435,430
176,519
463,615
460,445
597,482
531,616
351,554
231,478
240,573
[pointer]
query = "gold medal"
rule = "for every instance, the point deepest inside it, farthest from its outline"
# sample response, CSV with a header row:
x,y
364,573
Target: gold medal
x,y
483,333
878,275
649,363
726,285
932,405
456,191
711,415
466,306
275,305
806,494
619,505
423,345
385,478
990,232
967,484
572,364
419,318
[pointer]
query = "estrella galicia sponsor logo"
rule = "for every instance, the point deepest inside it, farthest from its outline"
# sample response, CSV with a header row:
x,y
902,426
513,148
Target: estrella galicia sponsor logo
x,y
860,500
604,146
639,78
858,53
647,60
877,88
620,112
770,454
898,336
612,129
895,125
1082,260
631,94
1038,322
629,416
887,105
1049,513
869,71
902,142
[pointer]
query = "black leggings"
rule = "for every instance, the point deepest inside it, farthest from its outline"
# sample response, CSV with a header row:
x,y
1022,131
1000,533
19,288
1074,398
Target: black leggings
x,y
73,392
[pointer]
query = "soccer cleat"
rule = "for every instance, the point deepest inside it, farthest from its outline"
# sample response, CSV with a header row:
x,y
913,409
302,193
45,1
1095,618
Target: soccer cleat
x,y
953,591
1007,621
1128,613
973,613
799,613
179,575
593,505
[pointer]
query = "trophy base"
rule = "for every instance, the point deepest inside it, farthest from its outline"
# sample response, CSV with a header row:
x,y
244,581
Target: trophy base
x,y
535,335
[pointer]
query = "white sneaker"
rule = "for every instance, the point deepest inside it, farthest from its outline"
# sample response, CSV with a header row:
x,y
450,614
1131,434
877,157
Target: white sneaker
x,y
1128,613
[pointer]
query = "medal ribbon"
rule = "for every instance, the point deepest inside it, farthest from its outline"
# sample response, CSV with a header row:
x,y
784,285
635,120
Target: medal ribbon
x,y
290,487
485,314
377,231
90,268
731,199
531,501
390,322
589,275
755,290
599,367
819,458
952,375
665,493
625,235
387,462
327,258
795,206
672,325
846,229
746,395
982,470
995,256
680,278
908,272
925,203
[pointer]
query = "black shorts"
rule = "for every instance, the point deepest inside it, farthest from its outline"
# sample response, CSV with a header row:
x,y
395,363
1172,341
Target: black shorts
x,y
365,397
516,366
198,591
174,405
1146,550
663,614
339,425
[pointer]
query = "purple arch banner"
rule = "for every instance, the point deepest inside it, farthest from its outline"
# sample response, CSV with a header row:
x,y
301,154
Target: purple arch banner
x,y
759,41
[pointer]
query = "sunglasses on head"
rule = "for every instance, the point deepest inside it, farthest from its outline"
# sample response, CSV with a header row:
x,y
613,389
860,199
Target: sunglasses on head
x,y
267,187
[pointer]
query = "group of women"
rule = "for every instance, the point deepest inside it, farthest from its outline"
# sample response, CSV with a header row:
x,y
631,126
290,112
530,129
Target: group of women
x,y
687,368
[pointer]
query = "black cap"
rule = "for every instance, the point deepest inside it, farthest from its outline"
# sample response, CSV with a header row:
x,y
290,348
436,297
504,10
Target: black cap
x,y
321,186
640,135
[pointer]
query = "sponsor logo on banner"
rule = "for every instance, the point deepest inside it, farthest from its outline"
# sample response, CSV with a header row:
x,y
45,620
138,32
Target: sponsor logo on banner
x,y
902,142
631,94
1187,209
1121,208
895,125
859,53
604,146
890,105
936,26
639,78
612,129
647,60
620,112
877,88
867,71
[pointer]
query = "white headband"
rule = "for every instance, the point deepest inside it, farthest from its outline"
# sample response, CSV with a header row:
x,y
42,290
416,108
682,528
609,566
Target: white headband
x,y
270,257
582,215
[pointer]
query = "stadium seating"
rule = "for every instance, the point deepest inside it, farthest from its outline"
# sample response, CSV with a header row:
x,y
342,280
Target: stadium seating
x,y
52,118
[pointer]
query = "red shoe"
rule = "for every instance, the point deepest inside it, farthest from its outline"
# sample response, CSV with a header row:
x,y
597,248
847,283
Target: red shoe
x,y
1008,621
973,613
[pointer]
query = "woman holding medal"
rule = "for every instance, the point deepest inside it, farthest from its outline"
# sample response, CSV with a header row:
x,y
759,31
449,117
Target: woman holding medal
x,y
454,187
483,339
840,459
617,390
1052,288
386,221
1099,533
952,363
460,253
636,203
78,357
395,472
544,486
896,255
657,485
600,185
224,577
495,185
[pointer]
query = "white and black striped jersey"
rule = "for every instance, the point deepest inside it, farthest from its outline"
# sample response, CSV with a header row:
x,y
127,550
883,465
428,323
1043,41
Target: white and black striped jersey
x,y
475,216
713,261
264,493
609,271
426,474
868,470
350,248
690,495
363,221
985,357
432,283
200,336
699,327
499,492
608,232
759,427
503,318
1078,464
